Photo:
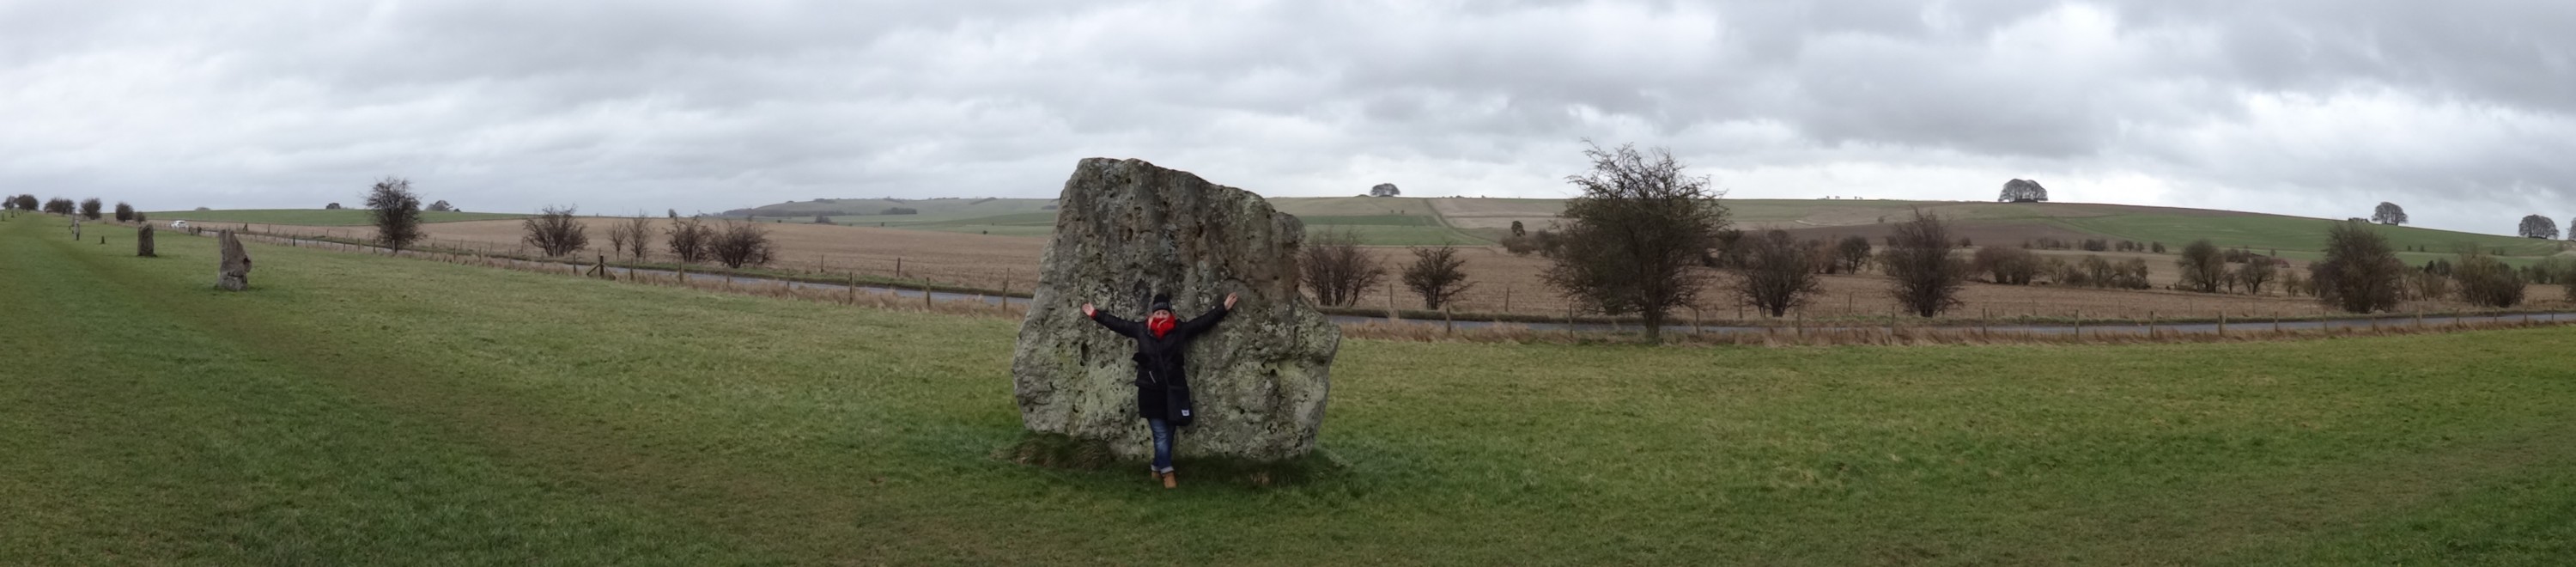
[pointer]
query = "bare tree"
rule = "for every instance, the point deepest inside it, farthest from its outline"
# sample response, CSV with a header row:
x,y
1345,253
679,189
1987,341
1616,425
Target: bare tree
x,y
2388,214
690,238
1852,253
1775,273
2359,274
90,208
1633,241
2204,268
396,213
632,236
2255,273
1337,269
556,231
1437,274
741,244
1927,278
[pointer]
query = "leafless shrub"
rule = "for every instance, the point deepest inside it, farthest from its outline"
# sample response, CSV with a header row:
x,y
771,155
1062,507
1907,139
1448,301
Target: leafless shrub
x,y
2360,273
2203,268
2008,266
1437,275
631,236
1337,269
741,244
1775,273
1926,277
395,211
2255,273
690,238
2486,281
555,231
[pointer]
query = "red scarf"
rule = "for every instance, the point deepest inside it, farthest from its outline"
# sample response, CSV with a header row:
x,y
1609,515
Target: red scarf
x,y
1160,326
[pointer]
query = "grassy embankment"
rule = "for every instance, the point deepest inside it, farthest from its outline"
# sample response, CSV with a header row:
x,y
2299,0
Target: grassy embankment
x,y
313,217
353,409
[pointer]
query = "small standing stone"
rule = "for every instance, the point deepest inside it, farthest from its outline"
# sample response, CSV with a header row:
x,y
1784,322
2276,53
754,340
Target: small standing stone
x,y
235,273
143,241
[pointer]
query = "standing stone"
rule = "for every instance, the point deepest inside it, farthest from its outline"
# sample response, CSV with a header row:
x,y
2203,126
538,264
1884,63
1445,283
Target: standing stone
x,y
235,273
143,241
1126,230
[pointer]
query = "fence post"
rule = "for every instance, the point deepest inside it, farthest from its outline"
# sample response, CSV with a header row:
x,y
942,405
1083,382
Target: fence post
x,y
925,297
2222,324
2151,324
2079,324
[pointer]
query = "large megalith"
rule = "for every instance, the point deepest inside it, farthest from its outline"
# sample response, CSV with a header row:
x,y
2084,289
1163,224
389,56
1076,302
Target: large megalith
x,y
143,241
1127,230
234,274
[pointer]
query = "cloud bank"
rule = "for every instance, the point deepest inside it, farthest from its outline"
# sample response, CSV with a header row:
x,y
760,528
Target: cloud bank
x,y
2460,111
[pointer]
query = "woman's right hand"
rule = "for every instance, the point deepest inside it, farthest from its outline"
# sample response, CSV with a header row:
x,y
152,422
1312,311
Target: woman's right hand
x,y
1087,311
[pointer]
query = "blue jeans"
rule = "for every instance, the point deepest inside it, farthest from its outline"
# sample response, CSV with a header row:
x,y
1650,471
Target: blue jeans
x,y
1162,444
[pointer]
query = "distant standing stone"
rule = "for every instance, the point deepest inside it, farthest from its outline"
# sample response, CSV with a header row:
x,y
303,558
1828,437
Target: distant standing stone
x,y
143,241
1128,229
235,273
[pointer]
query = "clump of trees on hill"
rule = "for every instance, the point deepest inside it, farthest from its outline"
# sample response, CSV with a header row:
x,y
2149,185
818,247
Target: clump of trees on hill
x,y
124,212
61,206
2023,191
1632,242
2388,214
91,208
2536,226
395,212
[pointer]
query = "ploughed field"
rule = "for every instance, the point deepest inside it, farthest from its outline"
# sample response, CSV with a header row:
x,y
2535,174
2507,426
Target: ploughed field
x,y
359,409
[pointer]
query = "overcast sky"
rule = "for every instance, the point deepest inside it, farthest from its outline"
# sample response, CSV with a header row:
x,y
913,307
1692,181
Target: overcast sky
x,y
2463,111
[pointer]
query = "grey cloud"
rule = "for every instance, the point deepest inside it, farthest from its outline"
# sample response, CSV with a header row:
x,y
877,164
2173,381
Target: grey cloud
x,y
694,105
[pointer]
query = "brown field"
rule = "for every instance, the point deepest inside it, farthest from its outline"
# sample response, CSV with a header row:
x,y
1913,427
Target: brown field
x,y
1503,283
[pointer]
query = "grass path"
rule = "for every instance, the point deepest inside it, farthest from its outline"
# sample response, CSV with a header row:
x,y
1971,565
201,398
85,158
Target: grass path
x,y
361,410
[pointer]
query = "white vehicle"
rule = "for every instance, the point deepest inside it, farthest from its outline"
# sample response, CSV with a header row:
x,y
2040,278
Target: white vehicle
x,y
178,224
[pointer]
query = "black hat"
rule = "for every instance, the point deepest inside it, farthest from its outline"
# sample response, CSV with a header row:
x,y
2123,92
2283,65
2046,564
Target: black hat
x,y
1162,302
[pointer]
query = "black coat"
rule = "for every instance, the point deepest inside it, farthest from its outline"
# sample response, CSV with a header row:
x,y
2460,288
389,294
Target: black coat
x,y
1159,367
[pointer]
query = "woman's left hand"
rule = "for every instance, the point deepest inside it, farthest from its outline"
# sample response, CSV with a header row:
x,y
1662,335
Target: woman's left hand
x,y
1229,301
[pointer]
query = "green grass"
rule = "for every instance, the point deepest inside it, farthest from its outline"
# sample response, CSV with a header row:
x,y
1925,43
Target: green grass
x,y
355,409
314,217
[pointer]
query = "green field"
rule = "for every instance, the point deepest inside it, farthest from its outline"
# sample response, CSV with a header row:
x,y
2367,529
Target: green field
x,y
314,217
357,409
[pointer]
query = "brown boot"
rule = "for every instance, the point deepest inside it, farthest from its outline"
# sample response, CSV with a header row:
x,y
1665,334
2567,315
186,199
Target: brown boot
x,y
1171,480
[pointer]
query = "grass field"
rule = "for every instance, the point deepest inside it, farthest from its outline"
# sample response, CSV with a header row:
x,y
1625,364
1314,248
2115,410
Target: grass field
x,y
314,217
355,409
